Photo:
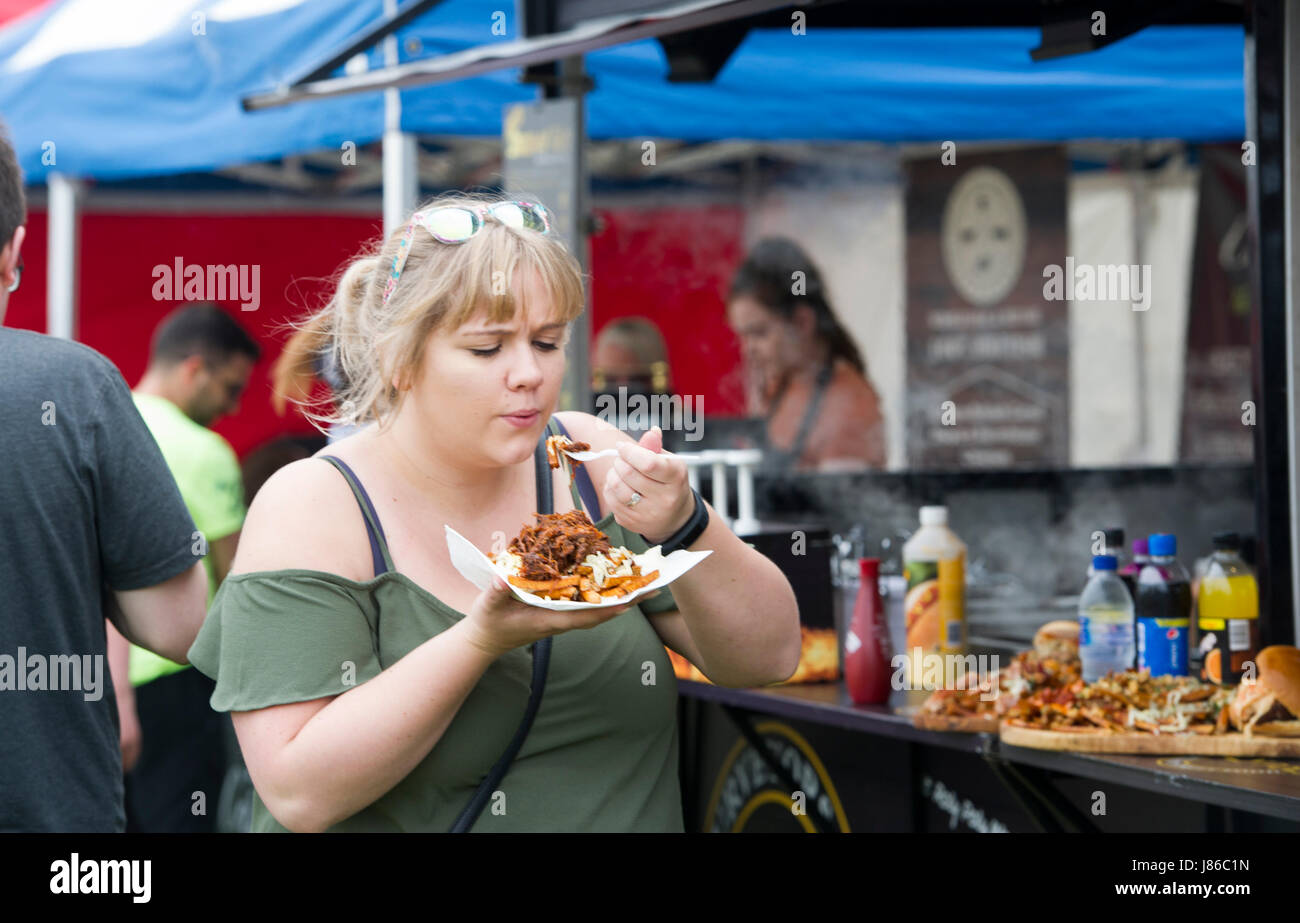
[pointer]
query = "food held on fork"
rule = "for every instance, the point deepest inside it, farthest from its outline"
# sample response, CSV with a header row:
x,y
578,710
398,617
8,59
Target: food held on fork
x,y
556,446
564,556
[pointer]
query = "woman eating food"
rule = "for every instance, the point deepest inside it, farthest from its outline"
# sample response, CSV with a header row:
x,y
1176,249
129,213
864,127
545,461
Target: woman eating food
x,y
806,378
372,687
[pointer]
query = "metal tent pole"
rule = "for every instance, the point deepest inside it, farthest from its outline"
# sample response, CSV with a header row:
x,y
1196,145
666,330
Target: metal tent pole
x,y
1291,180
1268,99
61,297
577,374
401,185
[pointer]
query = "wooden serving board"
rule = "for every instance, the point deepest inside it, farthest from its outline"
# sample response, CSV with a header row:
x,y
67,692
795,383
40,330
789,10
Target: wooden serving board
x,y
1232,744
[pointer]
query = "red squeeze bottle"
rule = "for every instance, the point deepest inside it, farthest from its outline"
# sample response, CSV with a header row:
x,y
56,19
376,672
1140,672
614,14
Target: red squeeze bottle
x,y
866,663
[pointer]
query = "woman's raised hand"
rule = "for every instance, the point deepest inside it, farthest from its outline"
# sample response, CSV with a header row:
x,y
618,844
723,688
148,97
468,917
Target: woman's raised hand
x,y
644,469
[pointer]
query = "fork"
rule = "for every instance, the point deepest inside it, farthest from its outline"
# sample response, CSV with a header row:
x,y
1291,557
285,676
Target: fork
x,y
589,456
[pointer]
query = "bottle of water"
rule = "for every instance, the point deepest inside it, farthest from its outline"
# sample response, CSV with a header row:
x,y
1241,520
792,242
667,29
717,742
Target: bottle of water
x,y
1105,622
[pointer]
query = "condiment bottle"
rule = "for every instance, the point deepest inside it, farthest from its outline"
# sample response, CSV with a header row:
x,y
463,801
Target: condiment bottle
x,y
934,563
866,658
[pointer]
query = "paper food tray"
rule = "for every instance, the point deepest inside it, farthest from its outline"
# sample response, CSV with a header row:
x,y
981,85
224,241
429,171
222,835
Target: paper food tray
x,y
479,570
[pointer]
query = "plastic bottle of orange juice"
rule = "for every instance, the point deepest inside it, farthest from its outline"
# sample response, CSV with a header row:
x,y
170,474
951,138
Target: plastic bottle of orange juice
x,y
1228,612
934,565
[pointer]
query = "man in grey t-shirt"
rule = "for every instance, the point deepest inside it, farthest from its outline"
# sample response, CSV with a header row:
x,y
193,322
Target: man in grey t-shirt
x,y
91,526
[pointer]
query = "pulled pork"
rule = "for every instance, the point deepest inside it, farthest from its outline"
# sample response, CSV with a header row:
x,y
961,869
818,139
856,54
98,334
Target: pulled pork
x,y
557,544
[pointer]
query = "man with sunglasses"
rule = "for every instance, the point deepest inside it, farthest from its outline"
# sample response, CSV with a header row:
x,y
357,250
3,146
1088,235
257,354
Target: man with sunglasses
x,y
173,743
91,525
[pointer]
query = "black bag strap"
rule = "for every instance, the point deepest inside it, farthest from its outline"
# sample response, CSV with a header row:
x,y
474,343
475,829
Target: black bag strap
x,y
541,651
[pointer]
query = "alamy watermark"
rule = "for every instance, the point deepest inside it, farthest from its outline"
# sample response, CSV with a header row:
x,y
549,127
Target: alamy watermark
x,y
1098,282
53,673
643,411
76,875
209,282
932,671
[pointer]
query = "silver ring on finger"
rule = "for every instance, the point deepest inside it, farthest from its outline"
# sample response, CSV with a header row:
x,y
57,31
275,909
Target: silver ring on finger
x,y
634,499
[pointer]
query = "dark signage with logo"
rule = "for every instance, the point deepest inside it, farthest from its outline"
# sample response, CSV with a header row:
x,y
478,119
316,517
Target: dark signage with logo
x,y
988,368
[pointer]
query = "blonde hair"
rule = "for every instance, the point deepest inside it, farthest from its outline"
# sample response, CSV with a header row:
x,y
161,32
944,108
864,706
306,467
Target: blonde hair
x,y
441,287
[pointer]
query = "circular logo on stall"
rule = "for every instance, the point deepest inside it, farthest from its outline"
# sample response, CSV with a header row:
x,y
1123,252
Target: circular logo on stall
x,y
749,795
983,236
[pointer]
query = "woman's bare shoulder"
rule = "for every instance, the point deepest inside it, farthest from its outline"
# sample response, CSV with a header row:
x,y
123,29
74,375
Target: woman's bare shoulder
x,y
851,394
305,516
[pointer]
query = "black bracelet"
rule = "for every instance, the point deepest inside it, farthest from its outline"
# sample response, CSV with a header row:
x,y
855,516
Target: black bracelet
x,y
688,533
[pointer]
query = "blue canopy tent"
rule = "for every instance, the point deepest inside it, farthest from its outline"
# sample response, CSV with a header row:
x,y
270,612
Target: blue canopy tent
x,y
154,87
900,85
139,88
128,89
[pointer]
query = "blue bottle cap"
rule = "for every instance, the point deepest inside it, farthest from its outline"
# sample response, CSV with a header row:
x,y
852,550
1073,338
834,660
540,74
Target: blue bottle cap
x,y
1163,545
1103,562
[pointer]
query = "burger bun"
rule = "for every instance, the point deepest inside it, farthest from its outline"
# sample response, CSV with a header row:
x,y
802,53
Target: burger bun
x,y
1269,704
1058,640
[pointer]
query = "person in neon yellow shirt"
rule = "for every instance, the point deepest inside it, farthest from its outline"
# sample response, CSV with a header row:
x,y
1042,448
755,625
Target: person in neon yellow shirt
x,y
207,471
172,741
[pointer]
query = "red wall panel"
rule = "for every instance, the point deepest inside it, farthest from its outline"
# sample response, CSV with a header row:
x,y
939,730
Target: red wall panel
x,y
297,256
673,266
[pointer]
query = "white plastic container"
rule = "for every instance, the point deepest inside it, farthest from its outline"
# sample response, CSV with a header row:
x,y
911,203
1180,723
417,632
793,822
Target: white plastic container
x,y
934,565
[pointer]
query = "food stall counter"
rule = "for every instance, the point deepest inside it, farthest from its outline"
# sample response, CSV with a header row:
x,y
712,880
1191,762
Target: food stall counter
x,y
1266,787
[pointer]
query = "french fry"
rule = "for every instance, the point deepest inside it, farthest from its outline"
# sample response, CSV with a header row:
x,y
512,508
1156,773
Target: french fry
x,y
631,586
637,583
587,590
534,586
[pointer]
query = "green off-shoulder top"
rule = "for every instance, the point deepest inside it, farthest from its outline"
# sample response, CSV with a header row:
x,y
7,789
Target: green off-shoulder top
x,y
602,752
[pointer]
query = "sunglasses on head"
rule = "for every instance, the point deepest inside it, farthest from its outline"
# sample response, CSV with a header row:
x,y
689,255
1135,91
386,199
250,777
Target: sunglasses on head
x,y
455,224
